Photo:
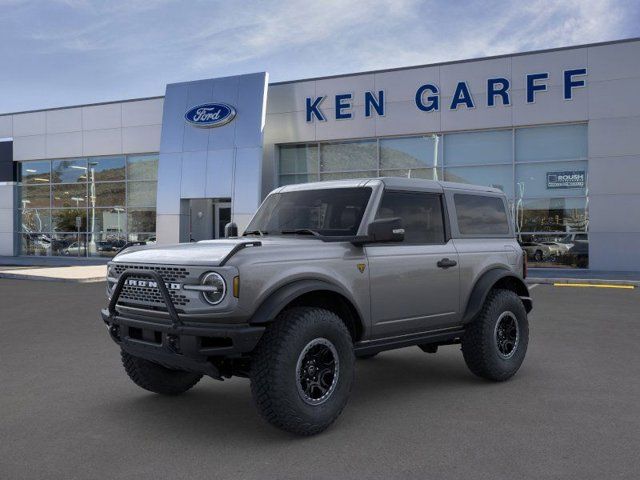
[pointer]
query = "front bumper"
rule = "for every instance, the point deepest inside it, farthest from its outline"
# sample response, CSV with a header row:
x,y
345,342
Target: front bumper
x,y
172,343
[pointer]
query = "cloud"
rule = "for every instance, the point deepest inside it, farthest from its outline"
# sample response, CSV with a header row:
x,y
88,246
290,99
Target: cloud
x,y
72,51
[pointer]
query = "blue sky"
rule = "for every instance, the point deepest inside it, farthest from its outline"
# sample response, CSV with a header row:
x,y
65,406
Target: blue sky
x,y
68,52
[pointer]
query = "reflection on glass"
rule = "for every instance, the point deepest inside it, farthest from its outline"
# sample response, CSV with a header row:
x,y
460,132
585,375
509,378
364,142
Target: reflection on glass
x,y
35,220
298,159
69,171
427,173
106,169
301,178
69,195
552,215
347,175
148,238
109,194
497,176
68,244
557,142
478,148
539,179
64,219
361,155
34,196
35,172
141,194
35,244
405,153
143,220
142,167
556,249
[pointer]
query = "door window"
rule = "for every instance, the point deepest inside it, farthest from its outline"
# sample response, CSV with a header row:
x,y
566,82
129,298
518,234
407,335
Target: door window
x,y
421,215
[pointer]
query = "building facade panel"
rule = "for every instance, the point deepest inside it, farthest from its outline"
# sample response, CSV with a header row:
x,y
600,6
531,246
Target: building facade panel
x,y
556,130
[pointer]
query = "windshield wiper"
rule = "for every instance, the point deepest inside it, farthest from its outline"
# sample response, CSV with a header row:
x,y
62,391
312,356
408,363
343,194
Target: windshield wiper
x,y
254,232
301,231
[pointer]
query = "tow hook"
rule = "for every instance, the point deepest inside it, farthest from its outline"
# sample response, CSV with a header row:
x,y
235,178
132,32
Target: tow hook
x,y
114,331
172,343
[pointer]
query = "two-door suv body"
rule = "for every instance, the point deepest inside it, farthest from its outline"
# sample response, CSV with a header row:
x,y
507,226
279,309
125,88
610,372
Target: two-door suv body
x,y
324,273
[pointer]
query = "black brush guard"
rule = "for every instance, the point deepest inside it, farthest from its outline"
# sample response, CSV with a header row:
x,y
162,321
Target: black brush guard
x,y
180,345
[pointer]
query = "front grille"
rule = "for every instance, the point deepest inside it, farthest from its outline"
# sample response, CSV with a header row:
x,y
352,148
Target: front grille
x,y
170,274
148,295
151,296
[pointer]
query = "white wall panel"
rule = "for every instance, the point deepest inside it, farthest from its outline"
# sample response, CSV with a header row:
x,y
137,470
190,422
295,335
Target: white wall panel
x,y
64,120
143,112
102,142
141,139
33,123
64,145
29,148
102,116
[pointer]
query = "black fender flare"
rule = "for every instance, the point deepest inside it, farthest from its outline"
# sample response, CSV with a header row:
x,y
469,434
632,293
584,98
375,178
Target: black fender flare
x,y
484,285
280,298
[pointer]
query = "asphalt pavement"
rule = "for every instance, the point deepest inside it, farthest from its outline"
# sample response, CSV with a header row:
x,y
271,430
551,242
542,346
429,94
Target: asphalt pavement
x,y
68,411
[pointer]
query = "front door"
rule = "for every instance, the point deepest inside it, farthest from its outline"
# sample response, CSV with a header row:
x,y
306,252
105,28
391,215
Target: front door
x,y
412,290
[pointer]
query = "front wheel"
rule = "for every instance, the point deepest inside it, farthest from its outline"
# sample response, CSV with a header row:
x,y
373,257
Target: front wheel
x,y
495,342
302,370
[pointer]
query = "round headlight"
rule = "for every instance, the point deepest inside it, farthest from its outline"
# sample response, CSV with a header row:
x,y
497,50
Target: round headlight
x,y
216,288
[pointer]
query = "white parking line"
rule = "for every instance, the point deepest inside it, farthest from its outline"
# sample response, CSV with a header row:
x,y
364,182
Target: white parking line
x,y
531,287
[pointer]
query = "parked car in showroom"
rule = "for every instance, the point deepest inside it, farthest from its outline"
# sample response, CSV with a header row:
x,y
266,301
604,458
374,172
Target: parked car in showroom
x,y
324,273
536,251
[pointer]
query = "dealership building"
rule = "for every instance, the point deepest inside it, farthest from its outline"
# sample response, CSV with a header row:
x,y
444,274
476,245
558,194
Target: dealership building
x,y
557,130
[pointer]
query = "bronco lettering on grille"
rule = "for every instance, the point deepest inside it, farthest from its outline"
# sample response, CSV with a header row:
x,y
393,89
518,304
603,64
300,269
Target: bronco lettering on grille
x,y
150,284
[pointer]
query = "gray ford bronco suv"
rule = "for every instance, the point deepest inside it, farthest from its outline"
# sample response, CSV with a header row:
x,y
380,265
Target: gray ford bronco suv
x,y
325,273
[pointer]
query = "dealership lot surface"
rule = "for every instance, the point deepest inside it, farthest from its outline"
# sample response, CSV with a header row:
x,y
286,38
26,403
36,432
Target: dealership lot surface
x,y
68,411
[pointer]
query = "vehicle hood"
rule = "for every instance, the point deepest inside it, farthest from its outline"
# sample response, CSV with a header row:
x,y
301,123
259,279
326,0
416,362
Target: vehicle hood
x,y
207,252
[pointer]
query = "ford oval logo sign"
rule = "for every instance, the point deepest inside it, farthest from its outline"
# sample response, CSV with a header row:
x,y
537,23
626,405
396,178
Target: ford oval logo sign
x,y
210,115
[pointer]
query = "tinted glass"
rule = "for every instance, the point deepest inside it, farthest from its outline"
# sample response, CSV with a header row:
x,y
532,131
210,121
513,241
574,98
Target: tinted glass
x,y
481,215
558,142
476,148
109,194
141,194
421,215
331,211
35,196
69,171
567,179
552,215
106,169
69,195
496,176
411,152
142,167
142,220
35,172
298,159
338,157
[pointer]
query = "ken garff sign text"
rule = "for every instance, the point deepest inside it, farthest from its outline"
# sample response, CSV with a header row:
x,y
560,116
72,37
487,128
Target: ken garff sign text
x,y
210,115
427,96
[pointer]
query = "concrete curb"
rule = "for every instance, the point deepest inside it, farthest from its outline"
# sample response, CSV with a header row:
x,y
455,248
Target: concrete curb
x,y
17,276
588,281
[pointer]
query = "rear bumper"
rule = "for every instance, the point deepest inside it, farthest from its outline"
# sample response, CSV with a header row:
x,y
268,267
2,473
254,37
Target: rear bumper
x,y
185,347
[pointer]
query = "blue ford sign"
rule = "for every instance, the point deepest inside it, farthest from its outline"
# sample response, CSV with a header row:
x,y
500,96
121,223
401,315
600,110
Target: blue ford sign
x,y
210,115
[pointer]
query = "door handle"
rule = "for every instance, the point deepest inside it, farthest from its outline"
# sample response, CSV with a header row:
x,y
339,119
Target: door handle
x,y
446,263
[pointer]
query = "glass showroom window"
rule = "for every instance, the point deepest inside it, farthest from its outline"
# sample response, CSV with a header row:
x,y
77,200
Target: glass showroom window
x,y
551,202
349,160
80,206
298,164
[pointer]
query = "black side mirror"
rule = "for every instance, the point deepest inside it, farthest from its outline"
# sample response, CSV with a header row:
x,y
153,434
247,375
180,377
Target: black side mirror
x,y
385,230
230,230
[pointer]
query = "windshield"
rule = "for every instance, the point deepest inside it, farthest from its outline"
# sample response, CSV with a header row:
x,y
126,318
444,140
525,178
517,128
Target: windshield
x,y
327,212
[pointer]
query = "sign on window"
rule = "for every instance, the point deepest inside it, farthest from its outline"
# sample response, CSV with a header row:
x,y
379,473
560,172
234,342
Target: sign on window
x,y
569,179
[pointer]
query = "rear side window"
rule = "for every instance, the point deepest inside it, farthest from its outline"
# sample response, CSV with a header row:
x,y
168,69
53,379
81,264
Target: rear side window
x,y
481,215
421,215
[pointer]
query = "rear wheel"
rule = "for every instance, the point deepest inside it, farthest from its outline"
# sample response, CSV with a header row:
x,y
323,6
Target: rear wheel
x,y
495,342
302,370
156,378
538,256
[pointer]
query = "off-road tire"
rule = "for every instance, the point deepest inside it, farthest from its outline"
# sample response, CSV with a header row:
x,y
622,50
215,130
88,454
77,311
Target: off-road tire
x,y
156,378
274,379
479,345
